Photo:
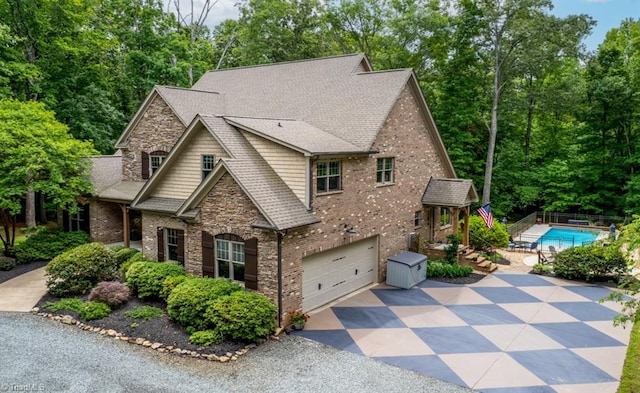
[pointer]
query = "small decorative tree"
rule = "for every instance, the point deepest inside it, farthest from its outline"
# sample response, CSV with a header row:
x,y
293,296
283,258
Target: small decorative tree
x,y
451,251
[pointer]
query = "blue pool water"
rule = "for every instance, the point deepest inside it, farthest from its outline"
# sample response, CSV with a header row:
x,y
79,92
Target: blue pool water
x,y
567,237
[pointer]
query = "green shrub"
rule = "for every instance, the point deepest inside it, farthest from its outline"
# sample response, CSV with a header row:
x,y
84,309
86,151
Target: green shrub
x,y
244,316
481,237
451,251
91,311
47,243
124,254
78,270
188,301
204,338
136,257
169,284
117,248
7,263
145,278
449,270
68,304
113,293
588,262
145,313
541,268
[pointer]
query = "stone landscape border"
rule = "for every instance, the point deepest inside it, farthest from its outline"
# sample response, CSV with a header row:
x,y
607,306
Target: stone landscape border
x,y
157,346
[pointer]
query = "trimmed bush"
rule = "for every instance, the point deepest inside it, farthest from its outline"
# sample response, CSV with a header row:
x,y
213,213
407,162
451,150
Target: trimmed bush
x,y
481,237
78,270
188,301
145,278
7,263
124,254
205,338
589,262
169,284
243,316
68,304
91,311
47,243
113,293
136,257
145,313
449,270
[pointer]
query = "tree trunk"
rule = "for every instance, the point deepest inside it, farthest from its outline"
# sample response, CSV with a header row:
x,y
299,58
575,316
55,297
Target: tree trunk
x,y
493,131
30,213
42,210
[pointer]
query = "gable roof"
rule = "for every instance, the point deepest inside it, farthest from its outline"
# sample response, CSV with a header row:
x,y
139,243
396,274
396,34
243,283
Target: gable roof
x,y
339,95
185,104
449,192
294,134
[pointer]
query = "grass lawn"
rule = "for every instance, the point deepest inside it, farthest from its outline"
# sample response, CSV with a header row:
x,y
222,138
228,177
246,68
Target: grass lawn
x,y
630,381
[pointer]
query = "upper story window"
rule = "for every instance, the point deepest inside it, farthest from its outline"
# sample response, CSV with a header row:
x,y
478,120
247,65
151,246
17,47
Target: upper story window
x,y
417,219
445,217
208,162
154,162
384,171
328,176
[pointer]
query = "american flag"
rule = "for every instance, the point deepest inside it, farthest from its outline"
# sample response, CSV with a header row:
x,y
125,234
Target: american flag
x,y
487,216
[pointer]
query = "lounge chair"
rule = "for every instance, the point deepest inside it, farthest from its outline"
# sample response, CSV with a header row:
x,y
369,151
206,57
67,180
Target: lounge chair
x,y
553,251
531,246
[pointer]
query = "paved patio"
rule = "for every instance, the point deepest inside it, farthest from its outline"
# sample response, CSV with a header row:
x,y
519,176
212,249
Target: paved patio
x,y
509,332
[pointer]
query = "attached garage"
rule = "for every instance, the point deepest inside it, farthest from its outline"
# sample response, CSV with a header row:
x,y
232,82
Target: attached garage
x,y
331,274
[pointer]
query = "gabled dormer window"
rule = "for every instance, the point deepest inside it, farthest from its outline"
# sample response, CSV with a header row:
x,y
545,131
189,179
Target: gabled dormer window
x,y
328,176
207,164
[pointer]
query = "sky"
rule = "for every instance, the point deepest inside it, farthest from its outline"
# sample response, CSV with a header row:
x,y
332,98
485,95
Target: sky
x,y
607,13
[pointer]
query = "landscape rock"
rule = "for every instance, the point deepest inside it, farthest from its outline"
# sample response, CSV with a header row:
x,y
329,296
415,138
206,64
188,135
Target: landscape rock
x,y
156,345
68,319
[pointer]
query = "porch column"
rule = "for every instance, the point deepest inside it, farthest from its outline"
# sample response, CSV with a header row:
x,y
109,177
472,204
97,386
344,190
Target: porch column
x,y
465,232
125,225
456,220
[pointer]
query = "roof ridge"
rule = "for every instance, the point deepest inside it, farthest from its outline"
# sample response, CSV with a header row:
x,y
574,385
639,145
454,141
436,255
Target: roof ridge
x,y
188,89
262,118
285,63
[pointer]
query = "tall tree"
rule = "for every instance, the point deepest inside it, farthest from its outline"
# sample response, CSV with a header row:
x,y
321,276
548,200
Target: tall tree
x,y
39,154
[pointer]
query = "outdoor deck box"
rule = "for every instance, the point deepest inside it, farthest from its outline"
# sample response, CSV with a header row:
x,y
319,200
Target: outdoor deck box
x,y
406,269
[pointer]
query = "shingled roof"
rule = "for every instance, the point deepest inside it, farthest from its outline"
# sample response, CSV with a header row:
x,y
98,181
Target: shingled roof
x,y
449,192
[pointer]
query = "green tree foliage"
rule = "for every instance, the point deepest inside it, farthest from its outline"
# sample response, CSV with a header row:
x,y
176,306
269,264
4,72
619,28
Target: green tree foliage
x,y
39,154
481,237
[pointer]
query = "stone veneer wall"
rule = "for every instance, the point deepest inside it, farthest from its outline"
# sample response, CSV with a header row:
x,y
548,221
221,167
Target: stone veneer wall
x,y
105,222
158,130
384,211
228,210
150,224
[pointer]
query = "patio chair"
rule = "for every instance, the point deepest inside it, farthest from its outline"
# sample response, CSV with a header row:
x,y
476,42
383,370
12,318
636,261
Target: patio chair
x,y
553,251
531,246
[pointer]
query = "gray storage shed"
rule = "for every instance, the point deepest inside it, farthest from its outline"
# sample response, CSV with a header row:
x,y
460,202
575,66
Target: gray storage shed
x,y
406,269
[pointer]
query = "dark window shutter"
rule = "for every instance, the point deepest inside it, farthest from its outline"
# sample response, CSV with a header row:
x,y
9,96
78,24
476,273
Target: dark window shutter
x,y
65,220
145,165
85,219
180,246
208,259
251,263
160,245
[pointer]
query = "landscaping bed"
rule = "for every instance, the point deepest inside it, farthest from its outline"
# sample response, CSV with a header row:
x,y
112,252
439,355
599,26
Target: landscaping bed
x,y
156,330
6,275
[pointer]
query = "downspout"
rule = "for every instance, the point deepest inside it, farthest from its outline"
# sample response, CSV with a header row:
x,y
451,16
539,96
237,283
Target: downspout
x,y
279,234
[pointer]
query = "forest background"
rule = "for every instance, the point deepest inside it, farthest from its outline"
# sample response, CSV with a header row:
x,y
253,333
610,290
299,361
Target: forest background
x,y
536,120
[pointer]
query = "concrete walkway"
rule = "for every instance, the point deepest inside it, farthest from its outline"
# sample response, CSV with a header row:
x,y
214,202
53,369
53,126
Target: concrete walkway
x,y
23,292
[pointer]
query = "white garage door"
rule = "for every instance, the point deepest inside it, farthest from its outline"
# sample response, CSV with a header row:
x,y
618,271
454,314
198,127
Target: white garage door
x,y
331,274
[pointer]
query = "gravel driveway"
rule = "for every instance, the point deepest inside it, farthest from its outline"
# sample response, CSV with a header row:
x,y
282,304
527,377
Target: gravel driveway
x,y
38,354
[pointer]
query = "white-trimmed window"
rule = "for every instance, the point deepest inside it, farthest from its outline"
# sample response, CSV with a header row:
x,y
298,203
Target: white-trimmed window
x,y
230,259
445,217
76,220
328,176
154,161
384,170
208,162
171,244
417,219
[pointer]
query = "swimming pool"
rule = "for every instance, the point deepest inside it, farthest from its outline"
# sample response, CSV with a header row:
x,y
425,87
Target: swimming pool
x,y
567,237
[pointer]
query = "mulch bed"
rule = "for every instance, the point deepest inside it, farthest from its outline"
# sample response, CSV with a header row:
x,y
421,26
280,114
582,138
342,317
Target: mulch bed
x,y
162,329
470,279
20,269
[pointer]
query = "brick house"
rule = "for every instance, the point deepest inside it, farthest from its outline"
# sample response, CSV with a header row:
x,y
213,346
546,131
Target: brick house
x,y
298,179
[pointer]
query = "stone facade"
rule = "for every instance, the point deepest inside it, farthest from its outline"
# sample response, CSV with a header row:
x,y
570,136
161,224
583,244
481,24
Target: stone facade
x,y
150,225
106,221
157,130
227,209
